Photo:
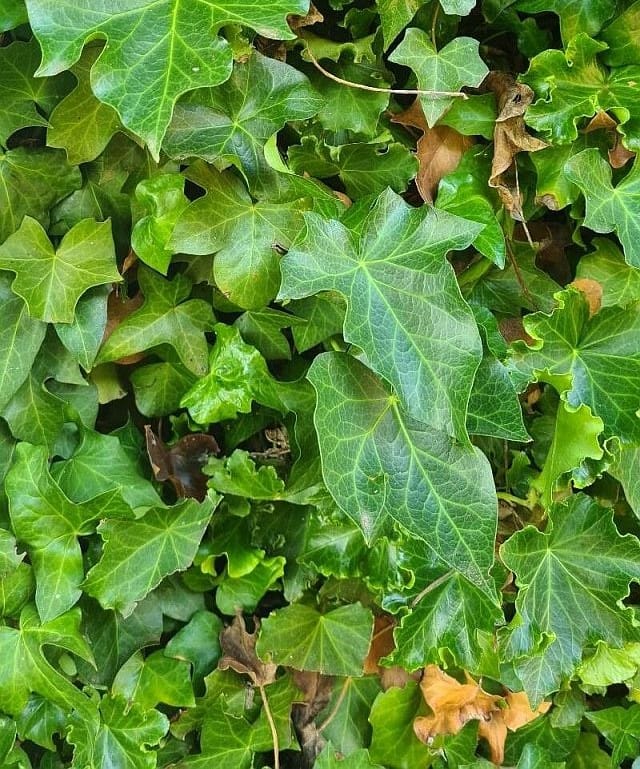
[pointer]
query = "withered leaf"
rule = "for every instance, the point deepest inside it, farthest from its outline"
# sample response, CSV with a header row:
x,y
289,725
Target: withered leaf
x,y
619,155
181,464
592,291
317,690
239,654
438,150
510,137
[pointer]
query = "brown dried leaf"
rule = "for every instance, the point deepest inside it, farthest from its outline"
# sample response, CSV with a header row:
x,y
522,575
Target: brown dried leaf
x,y
181,464
239,650
382,643
600,120
510,137
516,714
317,690
512,329
592,291
438,150
619,155
312,17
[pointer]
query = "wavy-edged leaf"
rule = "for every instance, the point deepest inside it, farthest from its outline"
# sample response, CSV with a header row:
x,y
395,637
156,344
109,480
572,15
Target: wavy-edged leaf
x,y
575,15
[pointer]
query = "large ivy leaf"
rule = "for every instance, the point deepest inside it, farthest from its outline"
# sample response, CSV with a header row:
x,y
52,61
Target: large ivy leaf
x,y
403,304
392,717
335,643
622,37
608,208
243,234
24,667
620,282
137,555
233,122
164,318
580,567
404,471
575,15
49,524
31,182
455,65
155,52
621,728
573,85
52,281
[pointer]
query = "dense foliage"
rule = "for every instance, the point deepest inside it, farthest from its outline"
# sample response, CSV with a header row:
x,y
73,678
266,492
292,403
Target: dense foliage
x,y
319,384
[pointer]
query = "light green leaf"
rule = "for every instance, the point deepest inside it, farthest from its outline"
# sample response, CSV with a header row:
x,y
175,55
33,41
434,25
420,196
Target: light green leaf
x,y
238,375
81,124
244,235
332,758
494,408
264,330
575,15
455,65
49,524
621,35
52,281
335,643
351,701
197,642
164,318
16,590
620,283
621,728
608,208
572,85
162,200
392,717
324,315
439,491
12,14
625,470
148,681
403,305
31,182
609,666
595,361
233,122
20,339
156,51
244,593
237,474
395,15
138,555
578,569
83,336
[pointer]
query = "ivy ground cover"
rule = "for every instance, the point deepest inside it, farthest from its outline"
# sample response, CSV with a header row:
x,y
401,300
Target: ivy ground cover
x,y
319,384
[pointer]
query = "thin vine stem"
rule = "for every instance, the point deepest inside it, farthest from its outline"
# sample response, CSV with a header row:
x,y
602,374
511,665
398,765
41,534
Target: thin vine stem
x,y
272,726
336,707
431,586
376,89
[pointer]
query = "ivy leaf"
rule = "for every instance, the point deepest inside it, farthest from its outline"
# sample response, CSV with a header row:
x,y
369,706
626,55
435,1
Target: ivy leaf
x,y
244,236
24,668
162,199
148,681
620,283
456,618
164,318
455,65
12,15
21,93
439,491
624,470
335,643
233,122
52,281
137,555
238,475
324,315
580,566
264,330
81,124
330,758
155,52
575,15
608,208
49,524
595,361
20,340
351,701
83,336
494,408
392,717
621,37
32,182
238,375
198,643
393,272
621,728
573,85
159,387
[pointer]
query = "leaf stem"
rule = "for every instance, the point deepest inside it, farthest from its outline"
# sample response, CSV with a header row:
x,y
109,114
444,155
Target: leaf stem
x,y
432,586
272,726
434,23
506,497
363,87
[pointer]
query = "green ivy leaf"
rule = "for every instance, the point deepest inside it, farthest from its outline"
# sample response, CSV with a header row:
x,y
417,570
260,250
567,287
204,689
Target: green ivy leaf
x,y
148,681
335,643
575,15
392,718
620,283
264,330
233,122
238,475
12,15
156,51
198,643
621,728
351,700
392,271
621,35
49,524
595,361
52,281
330,758
494,409
573,85
580,566
137,555
455,65
32,181
608,208
405,471
625,470
244,236
245,592
164,318
159,387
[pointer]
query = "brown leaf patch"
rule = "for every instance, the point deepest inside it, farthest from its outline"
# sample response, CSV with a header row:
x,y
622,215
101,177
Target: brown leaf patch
x,y
592,290
239,650
439,150
619,155
510,137
181,464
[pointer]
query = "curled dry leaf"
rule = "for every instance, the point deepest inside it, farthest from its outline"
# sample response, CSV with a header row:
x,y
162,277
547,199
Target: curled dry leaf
x,y
316,689
454,704
510,136
308,20
619,155
181,464
592,291
239,653
439,150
